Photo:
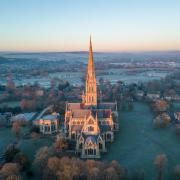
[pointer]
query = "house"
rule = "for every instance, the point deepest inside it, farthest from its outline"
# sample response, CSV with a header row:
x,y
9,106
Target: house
x,y
48,124
5,118
153,96
23,117
177,116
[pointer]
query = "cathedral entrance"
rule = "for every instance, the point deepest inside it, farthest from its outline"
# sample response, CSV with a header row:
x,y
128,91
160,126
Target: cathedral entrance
x,y
90,151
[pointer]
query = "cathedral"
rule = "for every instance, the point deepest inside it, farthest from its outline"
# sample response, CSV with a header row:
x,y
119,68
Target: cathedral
x,y
91,123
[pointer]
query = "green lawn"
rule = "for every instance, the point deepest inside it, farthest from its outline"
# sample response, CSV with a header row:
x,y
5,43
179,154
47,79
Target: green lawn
x,y
10,104
138,142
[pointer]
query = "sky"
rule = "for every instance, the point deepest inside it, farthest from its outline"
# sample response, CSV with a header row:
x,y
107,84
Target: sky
x,y
65,25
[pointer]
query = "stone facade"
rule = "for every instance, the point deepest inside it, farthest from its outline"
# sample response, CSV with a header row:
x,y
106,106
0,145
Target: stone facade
x,y
48,124
91,123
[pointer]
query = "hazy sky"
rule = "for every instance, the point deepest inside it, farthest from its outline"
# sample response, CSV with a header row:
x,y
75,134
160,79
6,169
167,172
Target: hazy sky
x,y
65,25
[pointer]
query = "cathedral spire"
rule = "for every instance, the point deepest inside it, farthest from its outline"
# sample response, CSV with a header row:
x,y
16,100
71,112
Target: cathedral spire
x,y
90,98
91,71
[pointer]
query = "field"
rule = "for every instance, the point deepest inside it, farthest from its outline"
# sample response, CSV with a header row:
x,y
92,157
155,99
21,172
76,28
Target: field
x,y
138,142
135,147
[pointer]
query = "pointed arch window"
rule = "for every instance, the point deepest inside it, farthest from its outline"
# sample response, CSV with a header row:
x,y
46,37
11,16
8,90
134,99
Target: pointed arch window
x,y
90,128
100,146
80,145
90,151
91,121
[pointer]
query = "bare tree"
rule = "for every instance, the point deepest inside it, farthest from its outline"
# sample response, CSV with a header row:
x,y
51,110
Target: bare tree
x,y
95,173
10,152
53,163
16,128
22,160
119,170
110,174
160,162
41,157
10,171
90,164
60,144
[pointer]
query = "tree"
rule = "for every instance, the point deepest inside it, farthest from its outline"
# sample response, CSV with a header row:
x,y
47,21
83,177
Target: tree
x,y
90,164
14,177
16,128
119,170
95,173
162,120
10,152
41,158
60,144
22,160
110,174
53,163
77,167
10,171
74,168
159,162
160,106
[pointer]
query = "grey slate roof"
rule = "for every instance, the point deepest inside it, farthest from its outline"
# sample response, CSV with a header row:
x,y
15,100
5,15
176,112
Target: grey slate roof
x,y
49,117
76,127
92,138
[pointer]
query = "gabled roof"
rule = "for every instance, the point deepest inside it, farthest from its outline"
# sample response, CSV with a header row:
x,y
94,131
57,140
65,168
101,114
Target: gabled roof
x,y
76,127
88,138
73,106
103,106
80,113
24,116
49,117
102,113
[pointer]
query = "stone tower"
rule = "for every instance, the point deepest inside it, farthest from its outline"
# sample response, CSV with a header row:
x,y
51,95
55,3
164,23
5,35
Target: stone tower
x,y
90,96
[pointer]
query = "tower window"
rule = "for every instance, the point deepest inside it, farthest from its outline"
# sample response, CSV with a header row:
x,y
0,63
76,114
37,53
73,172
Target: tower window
x,y
80,146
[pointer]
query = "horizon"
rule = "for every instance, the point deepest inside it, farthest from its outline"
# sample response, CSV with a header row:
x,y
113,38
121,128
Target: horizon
x,y
115,26
86,51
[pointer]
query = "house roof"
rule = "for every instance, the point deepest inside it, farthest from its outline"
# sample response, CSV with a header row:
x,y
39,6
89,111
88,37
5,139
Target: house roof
x,y
101,113
49,117
24,116
92,138
80,113
103,110
73,106
76,127
80,106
